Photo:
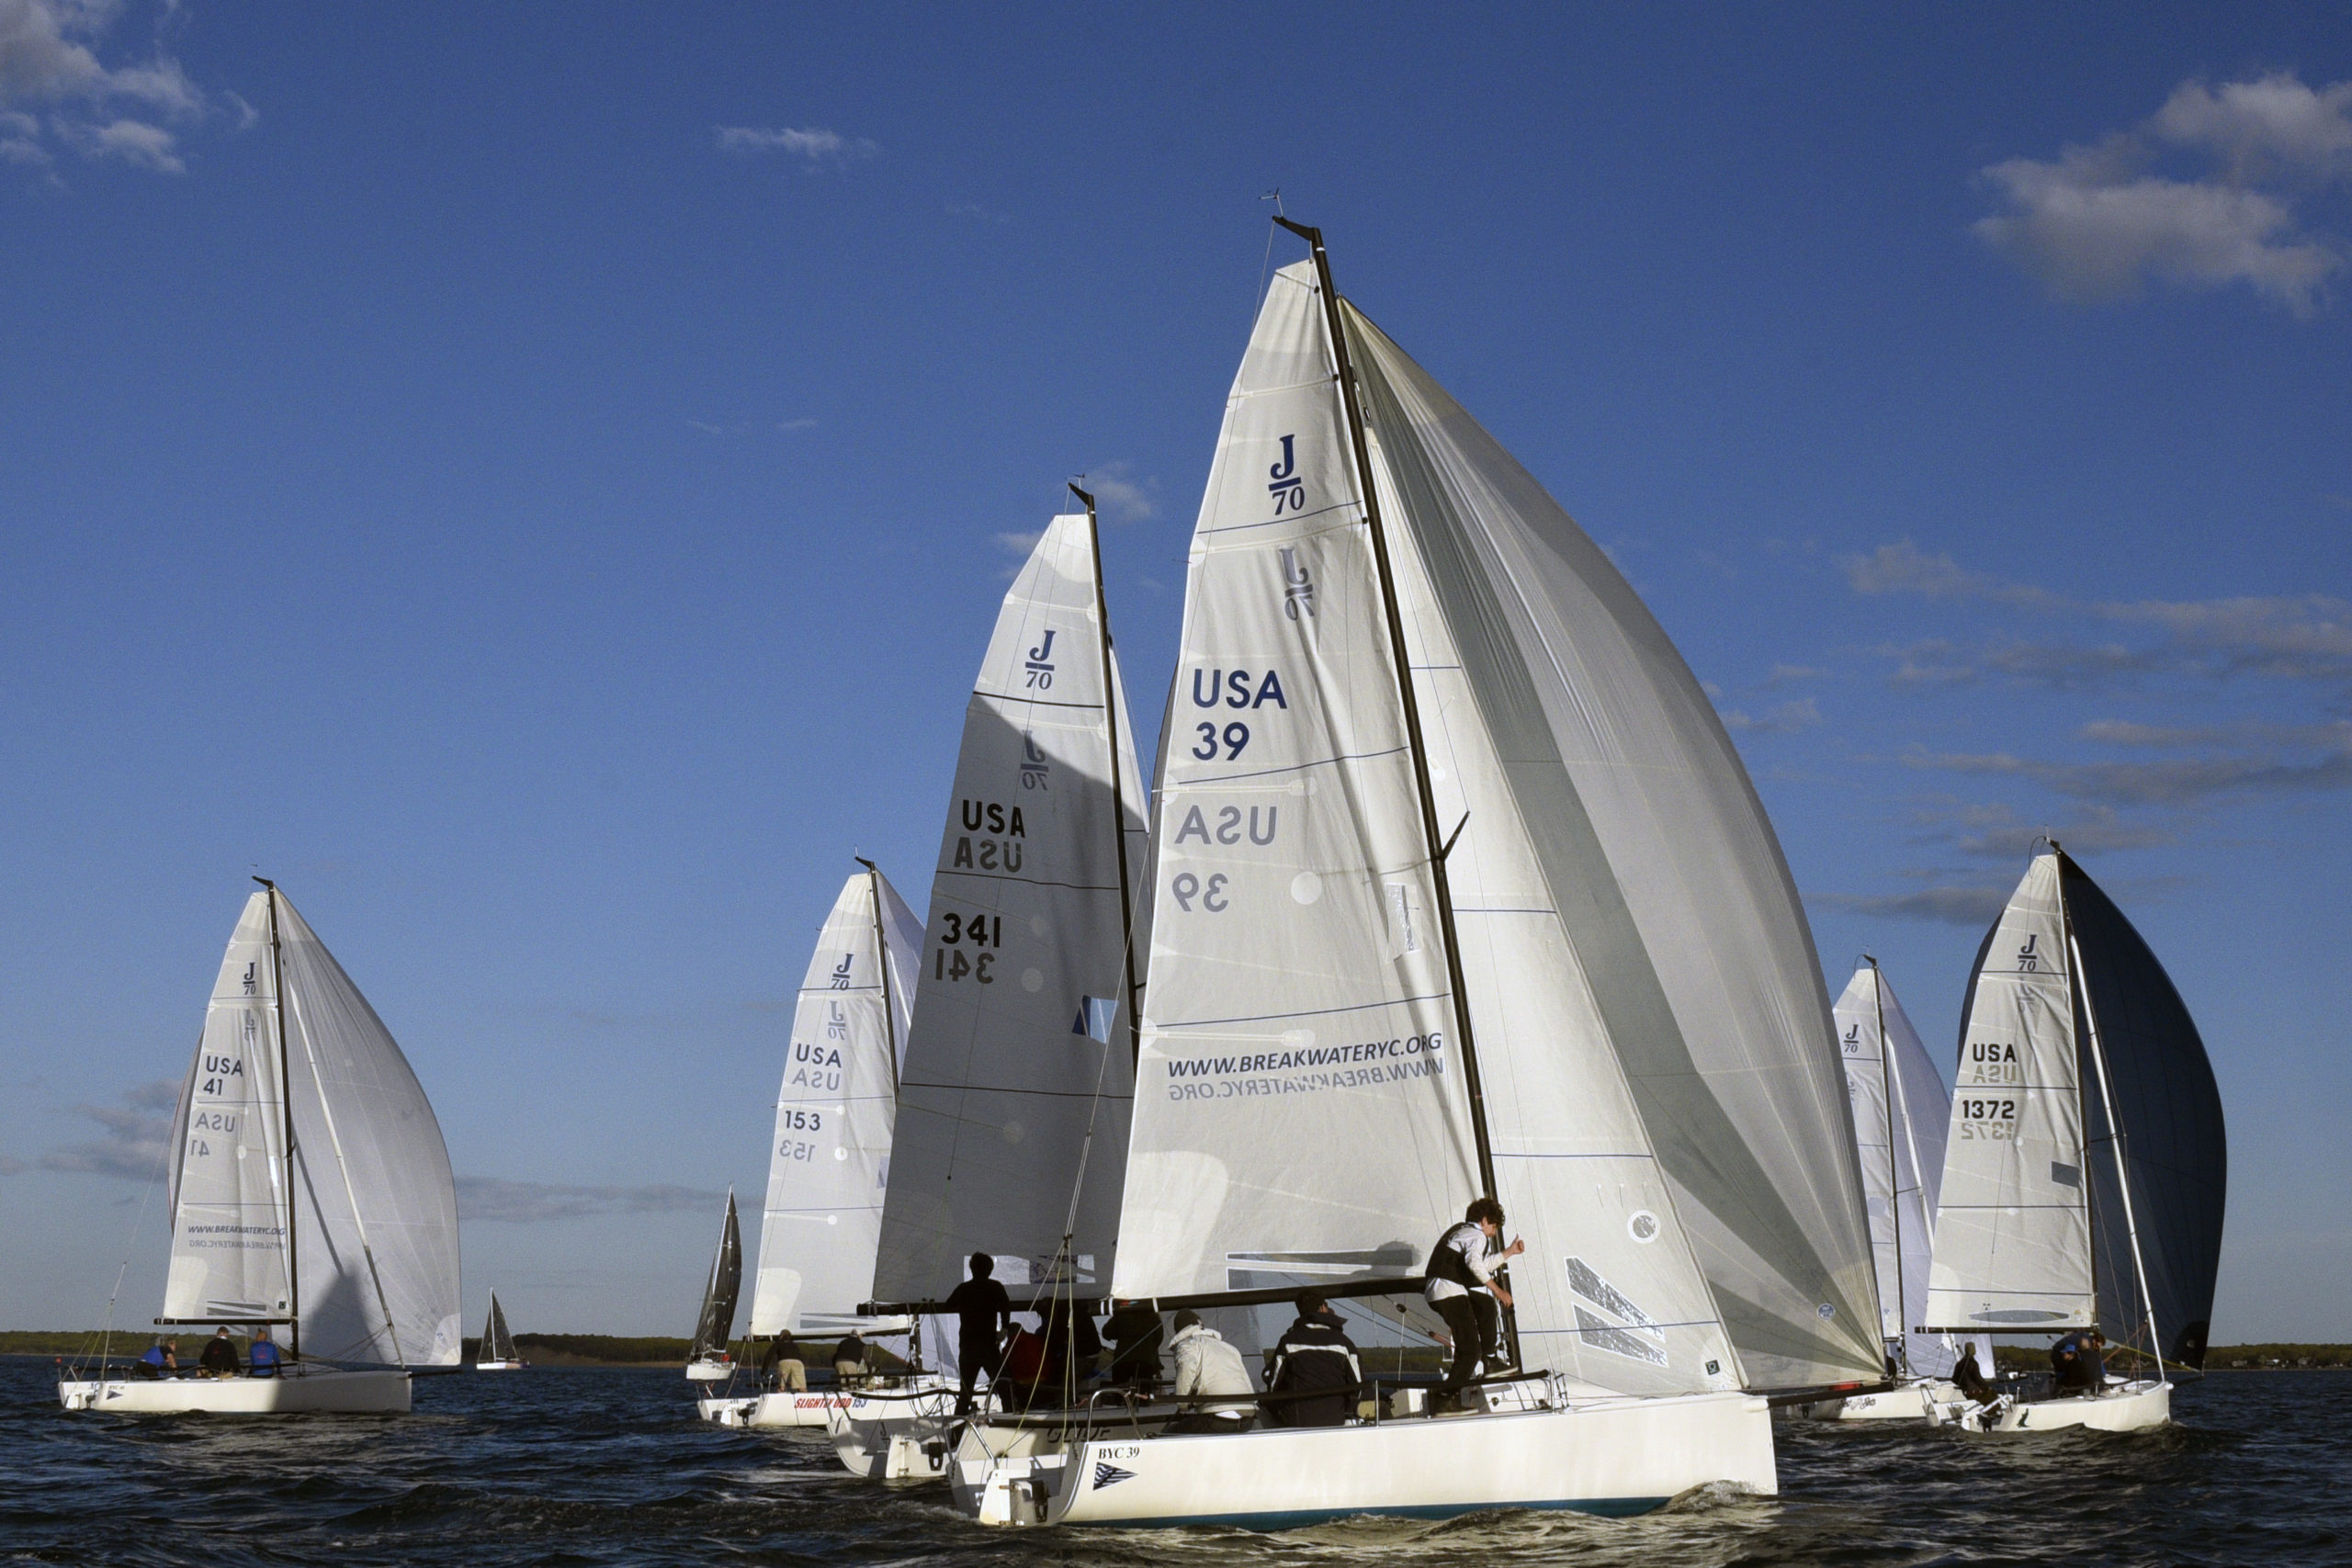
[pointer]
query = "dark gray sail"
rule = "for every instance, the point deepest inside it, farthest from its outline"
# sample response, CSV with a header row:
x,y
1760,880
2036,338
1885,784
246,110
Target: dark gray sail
x,y
716,1325
2168,1110
497,1344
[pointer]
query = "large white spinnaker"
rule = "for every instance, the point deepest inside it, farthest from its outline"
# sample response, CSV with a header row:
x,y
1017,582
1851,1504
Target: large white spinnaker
x,y
1023,1034
1300,1105
229,1202
2012,1238
1899,1128
1655,878
834,1112
374,1255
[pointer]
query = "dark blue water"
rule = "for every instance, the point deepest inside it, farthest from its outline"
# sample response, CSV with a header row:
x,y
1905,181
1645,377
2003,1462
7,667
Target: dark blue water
x,y
552,1467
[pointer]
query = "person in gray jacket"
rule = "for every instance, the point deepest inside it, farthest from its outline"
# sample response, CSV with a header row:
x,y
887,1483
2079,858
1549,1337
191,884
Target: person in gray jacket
x,y
1206,1368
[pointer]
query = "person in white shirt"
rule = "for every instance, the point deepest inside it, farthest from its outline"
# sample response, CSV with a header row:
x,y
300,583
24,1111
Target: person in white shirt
x,y
1463,1287
1208,1367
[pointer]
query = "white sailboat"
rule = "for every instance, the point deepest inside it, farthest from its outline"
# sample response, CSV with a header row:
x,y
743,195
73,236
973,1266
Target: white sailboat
x,y
1460,889
708,1358
1900,1110
832,1146
311,1193
1024,1037
2085,1172
498,1353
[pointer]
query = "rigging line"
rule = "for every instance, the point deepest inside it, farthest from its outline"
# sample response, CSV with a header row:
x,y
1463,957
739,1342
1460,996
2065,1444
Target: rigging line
x,y
1893,1177
343,1168
131,1242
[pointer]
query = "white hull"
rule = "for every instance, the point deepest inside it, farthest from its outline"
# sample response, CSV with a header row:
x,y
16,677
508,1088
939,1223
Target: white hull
x,y
765,1411
710,1371
898,1435
2132,1407
301,1389
1617,1456
1905,1402
500,1366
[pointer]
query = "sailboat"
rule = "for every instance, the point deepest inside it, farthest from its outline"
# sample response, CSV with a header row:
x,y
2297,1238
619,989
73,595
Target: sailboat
x,y
1461,890
2085,1168
831,1151
311,1193
498,1353
1900,1110
707,1359
1020,1057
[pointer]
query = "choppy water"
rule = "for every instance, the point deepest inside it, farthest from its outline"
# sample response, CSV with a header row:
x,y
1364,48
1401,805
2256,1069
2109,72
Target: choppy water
x,y
556,1467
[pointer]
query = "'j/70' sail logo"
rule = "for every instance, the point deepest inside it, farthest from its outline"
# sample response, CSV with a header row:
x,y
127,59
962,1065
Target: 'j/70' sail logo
x,y
1040,665
1854,1041
840,973
2029,960
1298,584
1033,767
1288,489
837,1026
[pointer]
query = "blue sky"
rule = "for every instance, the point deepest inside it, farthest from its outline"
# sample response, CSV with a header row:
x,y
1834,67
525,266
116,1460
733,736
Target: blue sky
x,y
537,482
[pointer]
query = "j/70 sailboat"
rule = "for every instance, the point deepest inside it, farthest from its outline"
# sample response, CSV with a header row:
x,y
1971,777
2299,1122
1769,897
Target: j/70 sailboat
x,y
708,1359
1022,1052
1460,889
2086,1170
1900,1110
497,1353
831,1149
310,1193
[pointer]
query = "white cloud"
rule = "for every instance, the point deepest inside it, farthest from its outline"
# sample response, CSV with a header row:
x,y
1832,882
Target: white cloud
x,y
820,147
2099,222
1117,494
797,424
1019,544
135,1133
49,56
1783,718
1973,906
487,1197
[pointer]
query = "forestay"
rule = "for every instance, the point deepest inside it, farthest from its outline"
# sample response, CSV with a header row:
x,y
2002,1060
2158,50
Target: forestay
x,y
228,1192
1651,1000
1300,1111
1899,1126
1023,1008
2013,1218
834,1114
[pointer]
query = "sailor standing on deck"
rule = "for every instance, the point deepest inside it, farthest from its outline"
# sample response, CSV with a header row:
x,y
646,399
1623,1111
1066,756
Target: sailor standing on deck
x,y
1463,1288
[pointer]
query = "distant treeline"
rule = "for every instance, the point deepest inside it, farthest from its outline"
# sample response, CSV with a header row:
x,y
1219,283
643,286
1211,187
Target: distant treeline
x,y
2249,1357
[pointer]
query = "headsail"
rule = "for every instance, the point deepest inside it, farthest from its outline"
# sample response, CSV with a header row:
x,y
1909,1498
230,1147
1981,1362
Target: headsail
x,y
229,1206
2169,1111
1023,1007
1654,874
834,1114
716,1325
497,1344
2013,1219
1899,1127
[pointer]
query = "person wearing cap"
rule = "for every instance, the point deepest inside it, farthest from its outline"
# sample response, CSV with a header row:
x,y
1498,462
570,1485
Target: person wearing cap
x,y
1316,1365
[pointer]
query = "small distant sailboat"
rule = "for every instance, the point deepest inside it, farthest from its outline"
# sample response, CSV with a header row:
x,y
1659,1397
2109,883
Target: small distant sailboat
x,y
2085,1172
1900,1110
830,1155
707,1359
311,1193
498,1353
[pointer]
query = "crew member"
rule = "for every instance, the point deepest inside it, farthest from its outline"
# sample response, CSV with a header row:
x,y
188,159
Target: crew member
x,y
2076,1360
1135,1332
220,1359
983,1312
1969,1379
1464,1288
782,1364
161,1359
1209,1377
1315,1364
849,1360
263,1357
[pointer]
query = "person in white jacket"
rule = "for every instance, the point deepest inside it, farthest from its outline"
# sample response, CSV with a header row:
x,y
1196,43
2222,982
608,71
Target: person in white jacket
x,y
1208,1367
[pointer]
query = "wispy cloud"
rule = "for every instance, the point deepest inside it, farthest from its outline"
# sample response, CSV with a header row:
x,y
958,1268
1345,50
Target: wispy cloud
x,y
487,1197
1016,542
790,425
58,96
1118,494
1781,718
2100,221
1954,905
2167,781
135,1133
1997,832
815,146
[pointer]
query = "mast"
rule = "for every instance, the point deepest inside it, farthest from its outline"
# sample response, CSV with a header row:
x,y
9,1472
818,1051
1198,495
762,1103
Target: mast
x,y
285,1123
1119,794
1893,1185
2114,1138
882,962
1437,847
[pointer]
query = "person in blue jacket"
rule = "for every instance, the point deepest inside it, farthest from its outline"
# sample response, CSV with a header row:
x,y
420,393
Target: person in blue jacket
x,y
2078,1363
161,1359
264,1356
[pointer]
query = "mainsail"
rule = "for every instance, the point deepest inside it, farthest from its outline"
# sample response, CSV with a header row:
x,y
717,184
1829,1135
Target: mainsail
x,y
2035,1230
497,1344
835,1110
372,1269
1023,1032
1899,1124
716,1327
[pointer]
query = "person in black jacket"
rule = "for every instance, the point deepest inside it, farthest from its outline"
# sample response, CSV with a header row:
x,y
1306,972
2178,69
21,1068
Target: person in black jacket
x,y
1134,1330
220,1359
983,1312
1317,1360
1464,1289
